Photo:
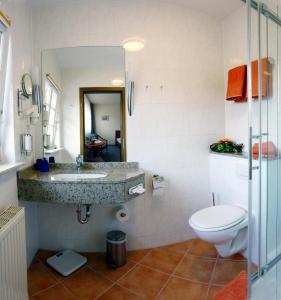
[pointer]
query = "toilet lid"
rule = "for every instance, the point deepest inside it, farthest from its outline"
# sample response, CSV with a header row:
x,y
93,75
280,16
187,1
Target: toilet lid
x,y
218,216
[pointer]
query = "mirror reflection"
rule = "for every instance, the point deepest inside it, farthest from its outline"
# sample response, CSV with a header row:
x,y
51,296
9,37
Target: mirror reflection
x,y
102,115
84,103
27,85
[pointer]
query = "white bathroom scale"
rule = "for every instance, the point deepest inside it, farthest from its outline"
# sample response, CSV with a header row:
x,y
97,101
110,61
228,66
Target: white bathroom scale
x,y
66,262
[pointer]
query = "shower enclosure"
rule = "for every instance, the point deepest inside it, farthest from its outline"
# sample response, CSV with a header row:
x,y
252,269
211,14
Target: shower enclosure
x,y
264,111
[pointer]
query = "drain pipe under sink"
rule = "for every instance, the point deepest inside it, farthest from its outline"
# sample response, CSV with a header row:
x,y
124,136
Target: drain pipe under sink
x,y
79,213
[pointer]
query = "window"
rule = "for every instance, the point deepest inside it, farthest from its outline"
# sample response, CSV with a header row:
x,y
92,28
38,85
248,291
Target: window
x,y
5,78
52,121
4,44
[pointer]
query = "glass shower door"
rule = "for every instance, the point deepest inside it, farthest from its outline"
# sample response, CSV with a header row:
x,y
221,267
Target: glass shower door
x,y
264,38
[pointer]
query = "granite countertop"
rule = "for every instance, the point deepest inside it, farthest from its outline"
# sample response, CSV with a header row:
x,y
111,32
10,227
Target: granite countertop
x,y
112,189
116,173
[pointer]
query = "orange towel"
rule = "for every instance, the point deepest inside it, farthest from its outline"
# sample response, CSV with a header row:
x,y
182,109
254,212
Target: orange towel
x,y
266,89
237,81
235,290
236,86
268,150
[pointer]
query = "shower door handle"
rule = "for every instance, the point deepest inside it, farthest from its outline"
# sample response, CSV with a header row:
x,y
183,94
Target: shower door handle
x,y
250,153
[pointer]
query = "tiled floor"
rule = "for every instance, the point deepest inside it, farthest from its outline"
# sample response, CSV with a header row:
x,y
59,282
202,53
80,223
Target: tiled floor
x,y
191,270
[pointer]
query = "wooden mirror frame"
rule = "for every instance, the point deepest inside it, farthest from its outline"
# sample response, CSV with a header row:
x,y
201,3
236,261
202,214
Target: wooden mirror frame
x,y
115,90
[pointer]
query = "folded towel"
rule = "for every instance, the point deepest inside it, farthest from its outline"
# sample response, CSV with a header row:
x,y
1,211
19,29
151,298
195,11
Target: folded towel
x,y
235,290
266,89
268,150
236,86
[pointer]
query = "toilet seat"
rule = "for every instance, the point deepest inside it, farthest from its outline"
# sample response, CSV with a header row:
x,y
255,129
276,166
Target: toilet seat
x,y
218,217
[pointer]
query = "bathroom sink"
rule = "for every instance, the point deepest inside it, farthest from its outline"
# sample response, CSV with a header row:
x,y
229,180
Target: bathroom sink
x,y
76,176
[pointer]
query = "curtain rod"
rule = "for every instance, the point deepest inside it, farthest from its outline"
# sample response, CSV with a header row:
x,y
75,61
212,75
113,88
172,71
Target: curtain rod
x,y
267,12
53,82
5,18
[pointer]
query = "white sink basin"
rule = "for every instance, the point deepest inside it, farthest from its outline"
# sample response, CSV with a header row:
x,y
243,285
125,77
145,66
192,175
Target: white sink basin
x,y
77,177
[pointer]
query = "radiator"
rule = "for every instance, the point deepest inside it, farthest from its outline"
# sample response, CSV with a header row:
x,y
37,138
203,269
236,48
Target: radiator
x,y
13,266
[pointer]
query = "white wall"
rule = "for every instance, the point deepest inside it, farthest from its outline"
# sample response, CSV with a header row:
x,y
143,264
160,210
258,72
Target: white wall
x,y
171,128
107,128
87,116
19,12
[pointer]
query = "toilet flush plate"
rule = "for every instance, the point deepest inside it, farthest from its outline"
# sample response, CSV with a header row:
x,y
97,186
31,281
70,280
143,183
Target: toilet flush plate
x,y
66,262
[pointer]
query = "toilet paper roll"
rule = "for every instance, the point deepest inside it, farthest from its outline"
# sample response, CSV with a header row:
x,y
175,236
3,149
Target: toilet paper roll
x,y
122,215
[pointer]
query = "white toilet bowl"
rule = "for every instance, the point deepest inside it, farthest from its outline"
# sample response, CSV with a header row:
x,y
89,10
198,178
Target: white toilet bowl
x,y
225,226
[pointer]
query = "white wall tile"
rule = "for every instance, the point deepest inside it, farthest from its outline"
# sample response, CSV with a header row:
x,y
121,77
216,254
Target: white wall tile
x,y
171,128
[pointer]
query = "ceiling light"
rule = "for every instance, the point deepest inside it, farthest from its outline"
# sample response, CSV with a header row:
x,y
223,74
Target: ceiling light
x,y
117,82
133,45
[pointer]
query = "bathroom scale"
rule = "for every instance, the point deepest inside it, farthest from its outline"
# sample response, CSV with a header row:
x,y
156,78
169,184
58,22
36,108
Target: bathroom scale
x,y
66,262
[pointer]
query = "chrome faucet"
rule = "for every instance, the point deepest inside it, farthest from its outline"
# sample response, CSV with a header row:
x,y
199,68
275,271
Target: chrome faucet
x,y
79,161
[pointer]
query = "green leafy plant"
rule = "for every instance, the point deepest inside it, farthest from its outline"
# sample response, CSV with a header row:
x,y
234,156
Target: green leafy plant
x,y
226,146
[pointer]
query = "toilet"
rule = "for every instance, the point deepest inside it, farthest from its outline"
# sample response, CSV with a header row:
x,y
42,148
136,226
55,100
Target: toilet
x,y
225,226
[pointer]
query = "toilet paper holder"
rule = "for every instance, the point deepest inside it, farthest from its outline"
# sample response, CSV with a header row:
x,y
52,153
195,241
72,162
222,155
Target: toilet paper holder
x,y
137,190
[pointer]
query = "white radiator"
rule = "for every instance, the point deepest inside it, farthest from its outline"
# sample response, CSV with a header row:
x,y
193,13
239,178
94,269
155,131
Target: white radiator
x,y
13,266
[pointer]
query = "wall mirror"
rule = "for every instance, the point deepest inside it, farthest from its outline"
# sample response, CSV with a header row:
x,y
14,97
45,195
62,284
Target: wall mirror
x,y
84,103
26,83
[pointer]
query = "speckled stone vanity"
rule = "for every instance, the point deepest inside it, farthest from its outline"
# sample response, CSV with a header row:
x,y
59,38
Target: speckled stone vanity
x,y
110,189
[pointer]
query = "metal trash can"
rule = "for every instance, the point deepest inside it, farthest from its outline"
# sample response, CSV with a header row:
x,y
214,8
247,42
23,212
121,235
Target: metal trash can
x,y
116,249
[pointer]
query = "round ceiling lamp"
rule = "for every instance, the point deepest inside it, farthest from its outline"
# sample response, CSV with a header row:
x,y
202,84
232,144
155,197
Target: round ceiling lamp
x,y
133,45
117,82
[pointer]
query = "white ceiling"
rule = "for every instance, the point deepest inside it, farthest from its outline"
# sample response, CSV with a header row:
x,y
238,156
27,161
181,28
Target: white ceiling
x,y
106,99
215,8
88,57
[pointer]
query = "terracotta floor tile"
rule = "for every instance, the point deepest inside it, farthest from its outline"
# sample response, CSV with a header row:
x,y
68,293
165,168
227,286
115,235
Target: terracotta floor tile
x,y
137,255
87,284
162,260
212,291
255,269
58,292
202,248
39,278
98,263
115,274
227,270
237,256
119,293
145,282
180,289
196,268
179,247
57,275
95,259
43,255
